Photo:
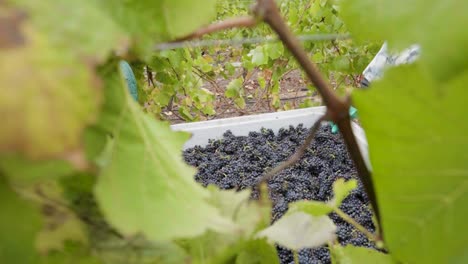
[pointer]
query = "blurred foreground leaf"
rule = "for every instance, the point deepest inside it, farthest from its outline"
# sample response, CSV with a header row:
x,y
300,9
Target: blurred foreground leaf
x,y
145,186
419,163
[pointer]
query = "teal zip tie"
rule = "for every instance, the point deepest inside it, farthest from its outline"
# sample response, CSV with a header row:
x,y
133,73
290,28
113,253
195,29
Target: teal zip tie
x,y
353,113
129,77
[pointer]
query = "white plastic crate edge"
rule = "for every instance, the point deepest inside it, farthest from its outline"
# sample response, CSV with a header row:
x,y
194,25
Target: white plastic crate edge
x,y
241,126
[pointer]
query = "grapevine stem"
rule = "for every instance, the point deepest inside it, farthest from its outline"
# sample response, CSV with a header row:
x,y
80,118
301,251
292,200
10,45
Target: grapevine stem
x,y
358,226
337,108
296,256
247,21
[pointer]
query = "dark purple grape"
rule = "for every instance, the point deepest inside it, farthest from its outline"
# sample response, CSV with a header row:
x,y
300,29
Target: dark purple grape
x,y
238,162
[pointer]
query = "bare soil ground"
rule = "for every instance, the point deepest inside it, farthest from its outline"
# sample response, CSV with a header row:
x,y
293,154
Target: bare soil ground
x,y
293,91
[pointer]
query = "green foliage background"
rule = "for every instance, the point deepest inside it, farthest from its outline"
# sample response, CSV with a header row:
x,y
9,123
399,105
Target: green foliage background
x,y
180,73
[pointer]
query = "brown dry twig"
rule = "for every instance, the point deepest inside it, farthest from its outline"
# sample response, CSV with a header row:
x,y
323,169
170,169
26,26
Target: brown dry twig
x,y
247,21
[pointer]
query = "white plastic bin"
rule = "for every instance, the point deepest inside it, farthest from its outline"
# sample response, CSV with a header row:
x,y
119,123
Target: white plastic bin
x,y
241,126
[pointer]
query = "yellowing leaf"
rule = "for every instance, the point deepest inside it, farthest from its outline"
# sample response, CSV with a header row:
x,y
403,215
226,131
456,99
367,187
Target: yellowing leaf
x,y
48,97
50,93
81,27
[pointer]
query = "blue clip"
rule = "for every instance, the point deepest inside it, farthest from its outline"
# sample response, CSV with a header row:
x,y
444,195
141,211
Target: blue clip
x,y
353,113
129,77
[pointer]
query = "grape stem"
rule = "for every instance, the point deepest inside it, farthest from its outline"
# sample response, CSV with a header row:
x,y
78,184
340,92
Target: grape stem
x,y
296,256
358,226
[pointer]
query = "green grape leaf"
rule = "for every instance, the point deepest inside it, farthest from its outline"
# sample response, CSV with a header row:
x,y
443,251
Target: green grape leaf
x,y
49,96
167,253
237,207
314,208
300,230
154,21
73,253
204,63
174,57
341,63
416,131
208,109
61,225
184,111
240,102
235,88
293,17
24,170
205,11
257,251
317,57
261,81
78,193
358,255
274,50
19,223
209,246
140,250
259,56
81,27
204,95
146,187
432,24
217,249
341,190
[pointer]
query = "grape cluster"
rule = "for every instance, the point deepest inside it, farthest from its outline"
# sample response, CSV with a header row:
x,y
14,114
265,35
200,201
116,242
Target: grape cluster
x,y
238,162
